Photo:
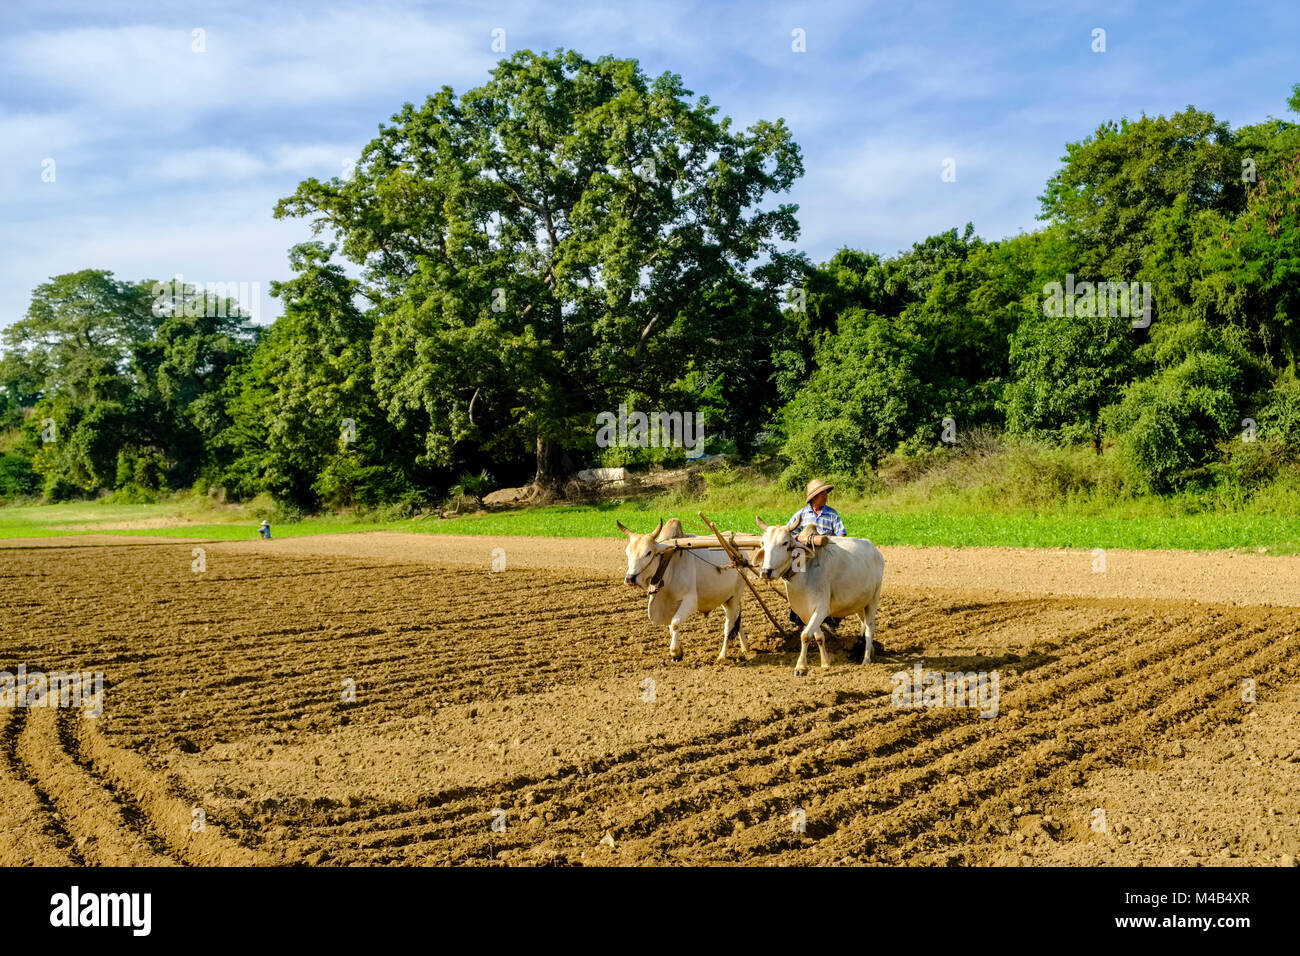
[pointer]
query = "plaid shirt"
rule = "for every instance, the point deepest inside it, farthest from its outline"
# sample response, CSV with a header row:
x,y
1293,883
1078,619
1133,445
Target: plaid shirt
x,y
828,522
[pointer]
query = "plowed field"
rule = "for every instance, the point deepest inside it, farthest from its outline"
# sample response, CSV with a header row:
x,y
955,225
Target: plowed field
x,y
388,699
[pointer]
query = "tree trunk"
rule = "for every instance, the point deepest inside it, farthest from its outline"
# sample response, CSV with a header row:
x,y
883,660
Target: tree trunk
x,y
553,467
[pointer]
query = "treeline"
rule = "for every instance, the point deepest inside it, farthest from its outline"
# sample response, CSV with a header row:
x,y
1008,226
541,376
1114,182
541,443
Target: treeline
x,y
575,236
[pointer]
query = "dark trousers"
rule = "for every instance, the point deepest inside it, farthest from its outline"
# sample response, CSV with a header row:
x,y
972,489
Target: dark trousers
x,y
832,621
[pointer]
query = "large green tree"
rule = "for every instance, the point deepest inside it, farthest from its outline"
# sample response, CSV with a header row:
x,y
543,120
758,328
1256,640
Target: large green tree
x,y
545,244
128,375
70,357
1253,266
181,371
918,338
1114,183
76,339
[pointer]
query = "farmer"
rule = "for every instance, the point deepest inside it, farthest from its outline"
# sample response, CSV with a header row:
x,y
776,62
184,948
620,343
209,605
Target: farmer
x,y
817,511
823,517
265,529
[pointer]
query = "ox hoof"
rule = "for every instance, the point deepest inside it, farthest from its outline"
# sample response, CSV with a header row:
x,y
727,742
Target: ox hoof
x,y
800,671
676,655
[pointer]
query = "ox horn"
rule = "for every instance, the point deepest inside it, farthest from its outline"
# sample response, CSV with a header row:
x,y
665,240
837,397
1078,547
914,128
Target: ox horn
x,y
624,529
659,527
759,521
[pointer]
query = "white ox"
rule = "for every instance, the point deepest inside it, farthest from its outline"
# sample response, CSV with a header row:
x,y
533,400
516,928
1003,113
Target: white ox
x,y
692,580
842,577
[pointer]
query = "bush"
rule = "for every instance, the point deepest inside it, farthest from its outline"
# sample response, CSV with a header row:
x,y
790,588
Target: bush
x,y
58,488
1250,464
17,477
144,470
407,506
1255,461
1169,426
640,459
1162,435
262,505
821,448
866,397
1064,372
991,472
133,495
1279,420
287,513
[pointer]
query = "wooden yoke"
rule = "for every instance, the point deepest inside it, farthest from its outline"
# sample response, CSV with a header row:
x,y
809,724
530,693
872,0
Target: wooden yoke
x,y
738,541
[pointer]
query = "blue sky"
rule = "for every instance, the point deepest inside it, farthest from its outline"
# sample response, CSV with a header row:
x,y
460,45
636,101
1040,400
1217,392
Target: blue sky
x,y
169,161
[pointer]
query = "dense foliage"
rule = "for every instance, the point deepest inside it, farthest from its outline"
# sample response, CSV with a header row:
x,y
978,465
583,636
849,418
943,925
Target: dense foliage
x,y
574,236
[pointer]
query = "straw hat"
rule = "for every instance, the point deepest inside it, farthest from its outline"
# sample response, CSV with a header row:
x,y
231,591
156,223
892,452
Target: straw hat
x,y
815,488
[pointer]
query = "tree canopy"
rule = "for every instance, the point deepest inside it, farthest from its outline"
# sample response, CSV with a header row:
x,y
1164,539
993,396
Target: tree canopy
x,y
553,241
574,236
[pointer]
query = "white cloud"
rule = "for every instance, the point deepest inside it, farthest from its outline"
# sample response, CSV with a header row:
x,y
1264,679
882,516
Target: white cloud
x,y
228,236
170,160
214,164
295,60
886,192
26,141
207,165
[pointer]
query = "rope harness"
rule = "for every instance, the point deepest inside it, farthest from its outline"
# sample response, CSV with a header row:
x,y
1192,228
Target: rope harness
x,y
657,579
808,538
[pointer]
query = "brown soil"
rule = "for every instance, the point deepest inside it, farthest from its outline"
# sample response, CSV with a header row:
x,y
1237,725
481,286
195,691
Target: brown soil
x,y
521,696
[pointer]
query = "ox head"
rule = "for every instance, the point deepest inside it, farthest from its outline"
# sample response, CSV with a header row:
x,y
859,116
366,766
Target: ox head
x,y
779,551
641,551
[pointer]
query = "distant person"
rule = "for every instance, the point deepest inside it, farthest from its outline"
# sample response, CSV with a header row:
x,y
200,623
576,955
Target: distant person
x,y
265,529
824,518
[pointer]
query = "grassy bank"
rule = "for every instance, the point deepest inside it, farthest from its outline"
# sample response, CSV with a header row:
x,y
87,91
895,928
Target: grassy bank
x,y
1183,532
935,522
990,493
184,517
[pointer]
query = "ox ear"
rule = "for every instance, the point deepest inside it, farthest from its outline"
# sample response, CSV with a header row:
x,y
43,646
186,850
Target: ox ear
x,y
624,529
759,521
759,558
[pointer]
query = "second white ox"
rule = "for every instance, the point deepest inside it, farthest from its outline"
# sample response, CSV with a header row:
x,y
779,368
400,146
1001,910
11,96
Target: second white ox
x,y
680,583
842,577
